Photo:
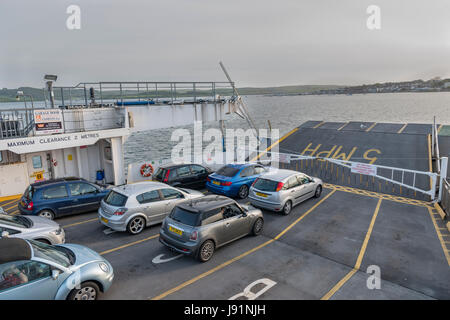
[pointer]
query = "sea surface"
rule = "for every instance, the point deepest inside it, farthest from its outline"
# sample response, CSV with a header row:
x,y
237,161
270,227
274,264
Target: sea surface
x,y
288,112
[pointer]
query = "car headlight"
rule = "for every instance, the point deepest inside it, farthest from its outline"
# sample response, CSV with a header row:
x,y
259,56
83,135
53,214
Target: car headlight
x,y
57,231
104,267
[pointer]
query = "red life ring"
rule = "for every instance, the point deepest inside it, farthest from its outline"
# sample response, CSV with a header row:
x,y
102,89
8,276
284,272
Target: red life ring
x,y
146,170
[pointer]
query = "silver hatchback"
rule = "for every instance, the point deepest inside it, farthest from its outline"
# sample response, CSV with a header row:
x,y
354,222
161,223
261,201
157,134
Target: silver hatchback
x,y
280,190
132,207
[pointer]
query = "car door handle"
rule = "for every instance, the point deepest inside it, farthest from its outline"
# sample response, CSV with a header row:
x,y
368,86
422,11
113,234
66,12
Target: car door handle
x,y
292,191
227,224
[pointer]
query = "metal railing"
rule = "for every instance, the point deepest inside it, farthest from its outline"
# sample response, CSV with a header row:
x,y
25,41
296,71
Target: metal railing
x,y
143,93
19,123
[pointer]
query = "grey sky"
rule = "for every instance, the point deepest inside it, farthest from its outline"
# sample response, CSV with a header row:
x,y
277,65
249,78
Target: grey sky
x,y
263,43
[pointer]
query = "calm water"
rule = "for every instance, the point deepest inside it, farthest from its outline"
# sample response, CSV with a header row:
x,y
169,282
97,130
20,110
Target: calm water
x,y
286,113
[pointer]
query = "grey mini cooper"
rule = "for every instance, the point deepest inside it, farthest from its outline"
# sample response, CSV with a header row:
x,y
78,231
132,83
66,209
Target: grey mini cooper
x,y
200,226
133,207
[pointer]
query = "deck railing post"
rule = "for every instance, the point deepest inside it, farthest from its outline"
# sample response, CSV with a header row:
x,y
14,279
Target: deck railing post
x,y
443,176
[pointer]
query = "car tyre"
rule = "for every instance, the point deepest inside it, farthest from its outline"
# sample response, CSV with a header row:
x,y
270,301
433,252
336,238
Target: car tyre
x,y
258,227
136,225
243,192
287,208
46,214
206,251
318,191
88,291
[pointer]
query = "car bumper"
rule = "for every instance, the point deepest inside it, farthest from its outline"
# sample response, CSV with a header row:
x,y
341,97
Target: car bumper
x,y
273,206
224,190
185,248
110,223
58,239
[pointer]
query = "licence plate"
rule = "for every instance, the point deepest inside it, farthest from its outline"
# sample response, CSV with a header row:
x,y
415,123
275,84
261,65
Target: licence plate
x,y
216,183
104,220
261,194
175,230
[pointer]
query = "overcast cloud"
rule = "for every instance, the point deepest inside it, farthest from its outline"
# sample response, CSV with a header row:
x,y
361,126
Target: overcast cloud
x,y
262,43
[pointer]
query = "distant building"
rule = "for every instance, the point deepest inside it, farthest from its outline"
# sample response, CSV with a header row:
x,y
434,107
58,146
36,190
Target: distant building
x,y
447,85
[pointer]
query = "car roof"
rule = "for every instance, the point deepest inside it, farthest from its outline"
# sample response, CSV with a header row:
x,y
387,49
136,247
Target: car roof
x,y
240,165
139,187
206,203
14,249
41,184
278,174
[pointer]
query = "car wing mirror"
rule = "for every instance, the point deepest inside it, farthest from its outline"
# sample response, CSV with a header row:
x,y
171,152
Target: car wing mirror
x,y
55,274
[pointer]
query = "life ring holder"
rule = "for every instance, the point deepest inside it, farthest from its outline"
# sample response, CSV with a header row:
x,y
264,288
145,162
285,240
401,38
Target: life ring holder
x,y
146,170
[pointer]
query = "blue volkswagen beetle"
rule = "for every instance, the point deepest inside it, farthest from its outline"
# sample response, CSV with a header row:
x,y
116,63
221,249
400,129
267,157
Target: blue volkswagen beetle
x,y
31,270
234,180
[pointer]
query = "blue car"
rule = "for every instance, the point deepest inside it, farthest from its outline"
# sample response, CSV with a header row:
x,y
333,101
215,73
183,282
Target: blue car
x,y
31,270
60,197
234,180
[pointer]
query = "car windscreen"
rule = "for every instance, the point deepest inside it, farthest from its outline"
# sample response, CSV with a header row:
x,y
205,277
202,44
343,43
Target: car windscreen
x,y
115,199
15,221
45,251
265,185
227,171
184,216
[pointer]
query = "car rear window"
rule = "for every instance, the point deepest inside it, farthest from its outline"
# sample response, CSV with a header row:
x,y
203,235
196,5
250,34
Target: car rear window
x,y
184,216
228,171
115,199
28,194
160,174
265,185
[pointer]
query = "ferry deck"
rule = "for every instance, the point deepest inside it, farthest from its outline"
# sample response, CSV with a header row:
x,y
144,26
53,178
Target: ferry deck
x,y
325,249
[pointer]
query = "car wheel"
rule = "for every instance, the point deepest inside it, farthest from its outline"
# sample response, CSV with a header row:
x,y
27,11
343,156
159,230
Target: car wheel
x,y
318,191
287,207
258,227
206,251
87,291
243,192
136,225
47,214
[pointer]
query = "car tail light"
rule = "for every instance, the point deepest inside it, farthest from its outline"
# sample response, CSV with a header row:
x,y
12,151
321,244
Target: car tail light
x,y
254,182
279,186
194,235
226,183
166,178
30,205
208,179
120,211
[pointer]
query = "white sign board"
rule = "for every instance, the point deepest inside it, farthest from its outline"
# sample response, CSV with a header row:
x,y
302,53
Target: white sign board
x,y
48,121
363,168
284,158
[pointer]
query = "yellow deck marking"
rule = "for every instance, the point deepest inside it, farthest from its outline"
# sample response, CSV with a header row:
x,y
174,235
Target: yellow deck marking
x,y
3,205
371,127
343,126
14,197
129,244
78,223
359,259
318,125
275,143
402,128
226,263
14,212
439,234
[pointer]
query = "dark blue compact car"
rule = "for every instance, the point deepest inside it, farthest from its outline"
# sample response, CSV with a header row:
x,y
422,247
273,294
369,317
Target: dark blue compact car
x,y
60,197
234,179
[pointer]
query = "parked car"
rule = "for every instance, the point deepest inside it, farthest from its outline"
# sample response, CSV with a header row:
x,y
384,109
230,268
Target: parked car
x,y
200,226
281,190
183,175
234,179
31,270
135,206
55,198
32,228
